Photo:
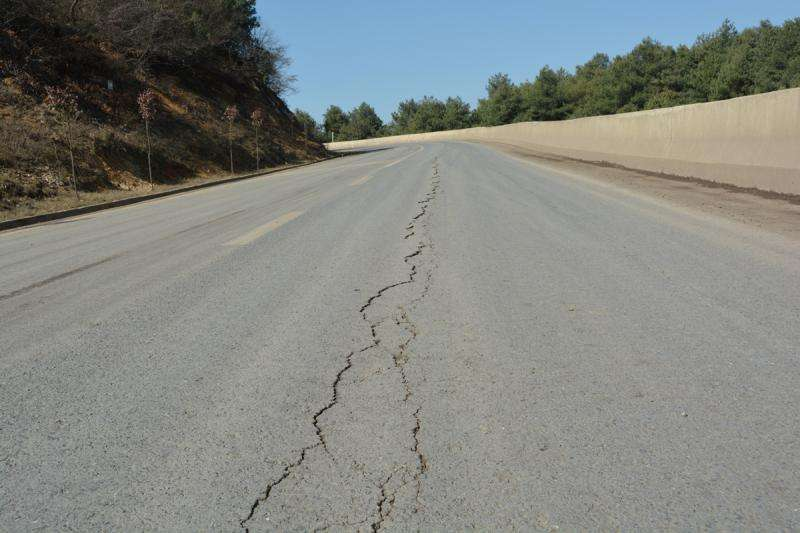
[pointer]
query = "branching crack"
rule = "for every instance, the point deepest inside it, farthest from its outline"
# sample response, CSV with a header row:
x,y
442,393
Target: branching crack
x,y
400,357
321,442
386,502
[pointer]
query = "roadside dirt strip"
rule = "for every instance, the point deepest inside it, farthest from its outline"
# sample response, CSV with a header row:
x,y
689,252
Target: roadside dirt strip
x,y
85,209
388,315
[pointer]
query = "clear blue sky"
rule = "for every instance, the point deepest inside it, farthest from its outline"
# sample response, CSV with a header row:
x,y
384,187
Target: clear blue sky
x,y
381,52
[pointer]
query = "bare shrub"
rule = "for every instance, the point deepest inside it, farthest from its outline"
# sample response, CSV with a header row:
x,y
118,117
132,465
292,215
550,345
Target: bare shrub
x,y
257,120
62,108
147,110
230,115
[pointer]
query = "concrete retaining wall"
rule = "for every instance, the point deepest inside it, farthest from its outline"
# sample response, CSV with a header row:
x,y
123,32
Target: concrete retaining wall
x,y
753,141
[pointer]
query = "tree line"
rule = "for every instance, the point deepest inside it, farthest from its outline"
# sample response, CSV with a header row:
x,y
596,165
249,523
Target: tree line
x,y
723,64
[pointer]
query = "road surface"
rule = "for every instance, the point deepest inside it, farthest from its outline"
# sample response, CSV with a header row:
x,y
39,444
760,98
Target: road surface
x,y
433,336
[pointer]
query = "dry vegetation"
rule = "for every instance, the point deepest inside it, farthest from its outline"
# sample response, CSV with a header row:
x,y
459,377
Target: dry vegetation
x,y
189,132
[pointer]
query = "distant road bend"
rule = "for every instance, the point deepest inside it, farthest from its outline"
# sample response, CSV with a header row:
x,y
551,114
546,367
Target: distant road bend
x,y
432,336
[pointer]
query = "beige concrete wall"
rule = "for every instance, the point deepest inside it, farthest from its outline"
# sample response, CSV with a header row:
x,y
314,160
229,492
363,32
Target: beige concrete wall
x,y
753,141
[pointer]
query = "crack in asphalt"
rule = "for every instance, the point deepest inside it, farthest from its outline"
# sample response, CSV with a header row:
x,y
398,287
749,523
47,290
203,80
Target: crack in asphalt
x,y
321,442
334,399
399,358
385,498
287,471
423,461
386,503
376,525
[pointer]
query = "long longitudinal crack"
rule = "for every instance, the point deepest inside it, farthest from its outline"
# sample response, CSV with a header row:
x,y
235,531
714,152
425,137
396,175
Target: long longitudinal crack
x,y
386,502
400,357
422,467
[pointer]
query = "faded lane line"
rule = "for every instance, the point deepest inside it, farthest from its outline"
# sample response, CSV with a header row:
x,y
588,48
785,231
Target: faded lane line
x,y
364,179
286,173
254,234
418,150
359,181
363,164
70,219
148,203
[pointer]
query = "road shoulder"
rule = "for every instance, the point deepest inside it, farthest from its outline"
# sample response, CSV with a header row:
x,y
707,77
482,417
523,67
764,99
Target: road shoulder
x,y
777,213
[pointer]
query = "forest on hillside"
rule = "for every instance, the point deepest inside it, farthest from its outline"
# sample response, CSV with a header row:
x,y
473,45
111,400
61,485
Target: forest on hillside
x,y
723,64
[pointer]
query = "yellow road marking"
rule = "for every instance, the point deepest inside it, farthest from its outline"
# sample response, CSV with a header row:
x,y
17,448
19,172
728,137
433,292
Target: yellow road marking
x,y
260,231
364,179
418,150
359,181
79,217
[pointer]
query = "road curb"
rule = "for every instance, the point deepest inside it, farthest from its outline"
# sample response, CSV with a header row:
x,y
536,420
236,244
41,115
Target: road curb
x,y
56,215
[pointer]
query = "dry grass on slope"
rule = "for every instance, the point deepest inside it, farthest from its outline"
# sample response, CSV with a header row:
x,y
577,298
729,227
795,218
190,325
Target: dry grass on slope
x,y
189,134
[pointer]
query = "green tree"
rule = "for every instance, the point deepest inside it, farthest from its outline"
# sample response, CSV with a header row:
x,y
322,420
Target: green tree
x,y
710,53
545,98
363,122
429,115
335,121
786,60
589,89
457,114
638,76
503,103
769,55
308,126
403,119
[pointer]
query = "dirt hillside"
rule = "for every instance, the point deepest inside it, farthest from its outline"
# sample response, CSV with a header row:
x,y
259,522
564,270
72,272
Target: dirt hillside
x,y
189,132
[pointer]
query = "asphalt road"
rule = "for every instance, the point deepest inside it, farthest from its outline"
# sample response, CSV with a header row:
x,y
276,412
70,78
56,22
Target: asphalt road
x,y
426,337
